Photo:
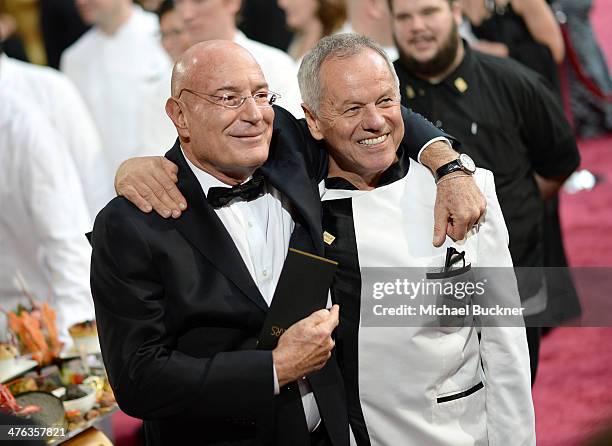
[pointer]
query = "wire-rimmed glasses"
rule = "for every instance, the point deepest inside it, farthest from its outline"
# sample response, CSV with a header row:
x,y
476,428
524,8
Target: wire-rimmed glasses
x,y
233,101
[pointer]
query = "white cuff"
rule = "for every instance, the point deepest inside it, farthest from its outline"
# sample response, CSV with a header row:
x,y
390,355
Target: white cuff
x,y
431,141
276,386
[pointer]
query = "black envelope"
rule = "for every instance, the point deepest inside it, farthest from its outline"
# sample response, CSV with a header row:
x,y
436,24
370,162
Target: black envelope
x,y
302,289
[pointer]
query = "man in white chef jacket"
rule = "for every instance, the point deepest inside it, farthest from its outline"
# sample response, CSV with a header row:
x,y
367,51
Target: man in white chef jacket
x,y
60,102
409,381
44,220
117,65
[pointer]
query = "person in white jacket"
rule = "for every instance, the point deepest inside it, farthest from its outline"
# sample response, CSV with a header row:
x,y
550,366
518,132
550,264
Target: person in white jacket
x,y
420,380
60,102
118,66
45,218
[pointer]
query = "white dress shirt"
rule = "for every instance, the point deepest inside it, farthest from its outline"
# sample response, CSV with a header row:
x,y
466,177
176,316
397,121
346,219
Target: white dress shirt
x,y
261,230
279,70
44,218
115,74
60,102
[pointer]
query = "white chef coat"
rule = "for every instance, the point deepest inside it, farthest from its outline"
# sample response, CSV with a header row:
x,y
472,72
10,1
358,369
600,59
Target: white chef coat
x,y
279,70
44,218
407,366
60,102
115,74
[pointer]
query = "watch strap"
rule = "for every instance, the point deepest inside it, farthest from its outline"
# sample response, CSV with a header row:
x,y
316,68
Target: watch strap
x,y
450,167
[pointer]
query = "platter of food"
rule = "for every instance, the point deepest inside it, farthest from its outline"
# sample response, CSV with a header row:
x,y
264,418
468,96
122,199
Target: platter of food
x,y
69,403
59,389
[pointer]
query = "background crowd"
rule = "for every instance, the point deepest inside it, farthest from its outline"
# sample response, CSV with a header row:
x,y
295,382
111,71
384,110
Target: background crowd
x,y
83,85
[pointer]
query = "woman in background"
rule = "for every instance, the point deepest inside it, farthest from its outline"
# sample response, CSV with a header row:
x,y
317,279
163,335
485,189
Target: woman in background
x,y
311,20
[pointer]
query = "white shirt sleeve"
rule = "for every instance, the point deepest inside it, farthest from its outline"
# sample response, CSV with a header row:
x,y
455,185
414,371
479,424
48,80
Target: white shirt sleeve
x,y
430,142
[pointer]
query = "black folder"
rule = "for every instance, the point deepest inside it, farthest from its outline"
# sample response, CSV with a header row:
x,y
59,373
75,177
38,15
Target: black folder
x,y
302,289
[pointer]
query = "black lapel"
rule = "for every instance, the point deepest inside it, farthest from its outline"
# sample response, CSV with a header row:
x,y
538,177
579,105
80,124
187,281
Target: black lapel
x,y
201,226
286,171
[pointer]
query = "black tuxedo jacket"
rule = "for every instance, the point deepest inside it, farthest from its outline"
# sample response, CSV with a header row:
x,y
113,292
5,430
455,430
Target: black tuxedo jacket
x,y
179,314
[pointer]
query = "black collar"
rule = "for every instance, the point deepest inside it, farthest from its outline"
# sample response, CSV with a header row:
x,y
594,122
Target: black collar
x,y
396,171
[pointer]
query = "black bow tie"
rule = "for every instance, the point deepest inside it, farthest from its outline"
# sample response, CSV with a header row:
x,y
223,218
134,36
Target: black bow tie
x,y
221,196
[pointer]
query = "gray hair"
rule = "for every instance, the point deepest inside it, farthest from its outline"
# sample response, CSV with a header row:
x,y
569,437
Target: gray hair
x,y
338,46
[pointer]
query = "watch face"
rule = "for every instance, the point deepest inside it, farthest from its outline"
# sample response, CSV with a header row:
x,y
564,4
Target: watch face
x,y
467,163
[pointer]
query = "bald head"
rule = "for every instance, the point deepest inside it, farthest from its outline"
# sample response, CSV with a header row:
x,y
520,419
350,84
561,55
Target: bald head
x,y
202,59
223,127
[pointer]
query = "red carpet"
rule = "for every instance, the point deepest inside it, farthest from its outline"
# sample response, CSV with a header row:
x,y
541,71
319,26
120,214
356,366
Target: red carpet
x,y
573,391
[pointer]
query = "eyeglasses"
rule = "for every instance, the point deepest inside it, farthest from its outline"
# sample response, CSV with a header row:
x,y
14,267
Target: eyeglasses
x,y
229,100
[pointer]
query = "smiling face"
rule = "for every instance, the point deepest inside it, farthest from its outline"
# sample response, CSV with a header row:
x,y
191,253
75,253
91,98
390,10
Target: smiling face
x,y
227,143
359,116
